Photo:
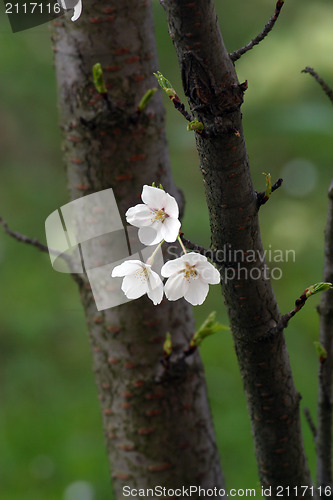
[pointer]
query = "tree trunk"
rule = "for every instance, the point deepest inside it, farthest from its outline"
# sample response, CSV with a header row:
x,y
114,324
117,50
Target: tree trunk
x,y
158,430
215,96
325,406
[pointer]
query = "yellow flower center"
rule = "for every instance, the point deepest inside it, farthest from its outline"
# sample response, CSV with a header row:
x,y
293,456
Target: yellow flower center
x,y
142,274
159,215
189,272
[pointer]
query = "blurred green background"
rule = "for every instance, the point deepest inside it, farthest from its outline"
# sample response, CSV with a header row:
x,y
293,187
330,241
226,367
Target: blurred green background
x,y
50,428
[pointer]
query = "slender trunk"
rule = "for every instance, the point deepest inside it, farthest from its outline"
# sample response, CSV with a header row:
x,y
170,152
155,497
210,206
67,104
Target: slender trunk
x,y
324,430
157,433
215,96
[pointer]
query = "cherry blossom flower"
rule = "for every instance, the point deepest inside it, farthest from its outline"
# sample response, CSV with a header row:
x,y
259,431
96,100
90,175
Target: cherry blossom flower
x,y
157,217
189,277
138,280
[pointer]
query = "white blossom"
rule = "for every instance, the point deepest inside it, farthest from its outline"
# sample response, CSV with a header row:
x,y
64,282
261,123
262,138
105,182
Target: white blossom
x,y
138,280
189,276
157,217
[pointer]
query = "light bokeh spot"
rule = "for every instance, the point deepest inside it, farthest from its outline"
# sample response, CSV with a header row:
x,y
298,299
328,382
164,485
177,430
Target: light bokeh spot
x,y
300,177
79,490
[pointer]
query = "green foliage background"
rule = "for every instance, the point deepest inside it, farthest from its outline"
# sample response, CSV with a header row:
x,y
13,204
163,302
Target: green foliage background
x,y
50,429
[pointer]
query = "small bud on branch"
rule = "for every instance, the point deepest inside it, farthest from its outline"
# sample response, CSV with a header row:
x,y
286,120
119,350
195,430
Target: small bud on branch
x,y
264,196
208,327
167,346
196,126
268,190
318,287
98,78
146,98
170,91
321,351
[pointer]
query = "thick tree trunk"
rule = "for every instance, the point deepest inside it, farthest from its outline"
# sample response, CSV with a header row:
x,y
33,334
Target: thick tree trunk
x,y
215,96
325,404
156,433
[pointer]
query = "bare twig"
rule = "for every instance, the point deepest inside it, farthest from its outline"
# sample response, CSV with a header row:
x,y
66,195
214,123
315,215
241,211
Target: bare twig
x,y
299,303
210,254
310,422
284,321
40,246
234,56
277,184
326,88
196,248
33,241
25,239
262,198
180,106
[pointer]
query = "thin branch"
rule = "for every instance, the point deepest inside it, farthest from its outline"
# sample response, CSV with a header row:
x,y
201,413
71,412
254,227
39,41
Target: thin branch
x,y
40,246
299,303
326,88
197,248
22,238
310,422
262,198
234,56
284,321
180,106
25,239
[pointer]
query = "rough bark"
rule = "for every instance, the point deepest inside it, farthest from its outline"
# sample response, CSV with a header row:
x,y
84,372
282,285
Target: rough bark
x,y
158,432
215,96
323,435
324,428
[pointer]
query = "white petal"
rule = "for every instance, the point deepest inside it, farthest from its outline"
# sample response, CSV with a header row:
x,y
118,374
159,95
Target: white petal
x,y
208,273
197,292
171,206
127,267
172,267
155,288
77,11
150,235
153,197
170,229
154,279
139,216
176,286
193,258
133,287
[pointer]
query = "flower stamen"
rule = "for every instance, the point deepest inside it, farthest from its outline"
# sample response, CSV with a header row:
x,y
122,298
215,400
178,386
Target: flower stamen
x,y
160,215
142,274
189,272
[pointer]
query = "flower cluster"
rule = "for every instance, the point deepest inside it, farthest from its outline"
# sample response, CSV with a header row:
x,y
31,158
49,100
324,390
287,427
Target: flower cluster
x,y
188,276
